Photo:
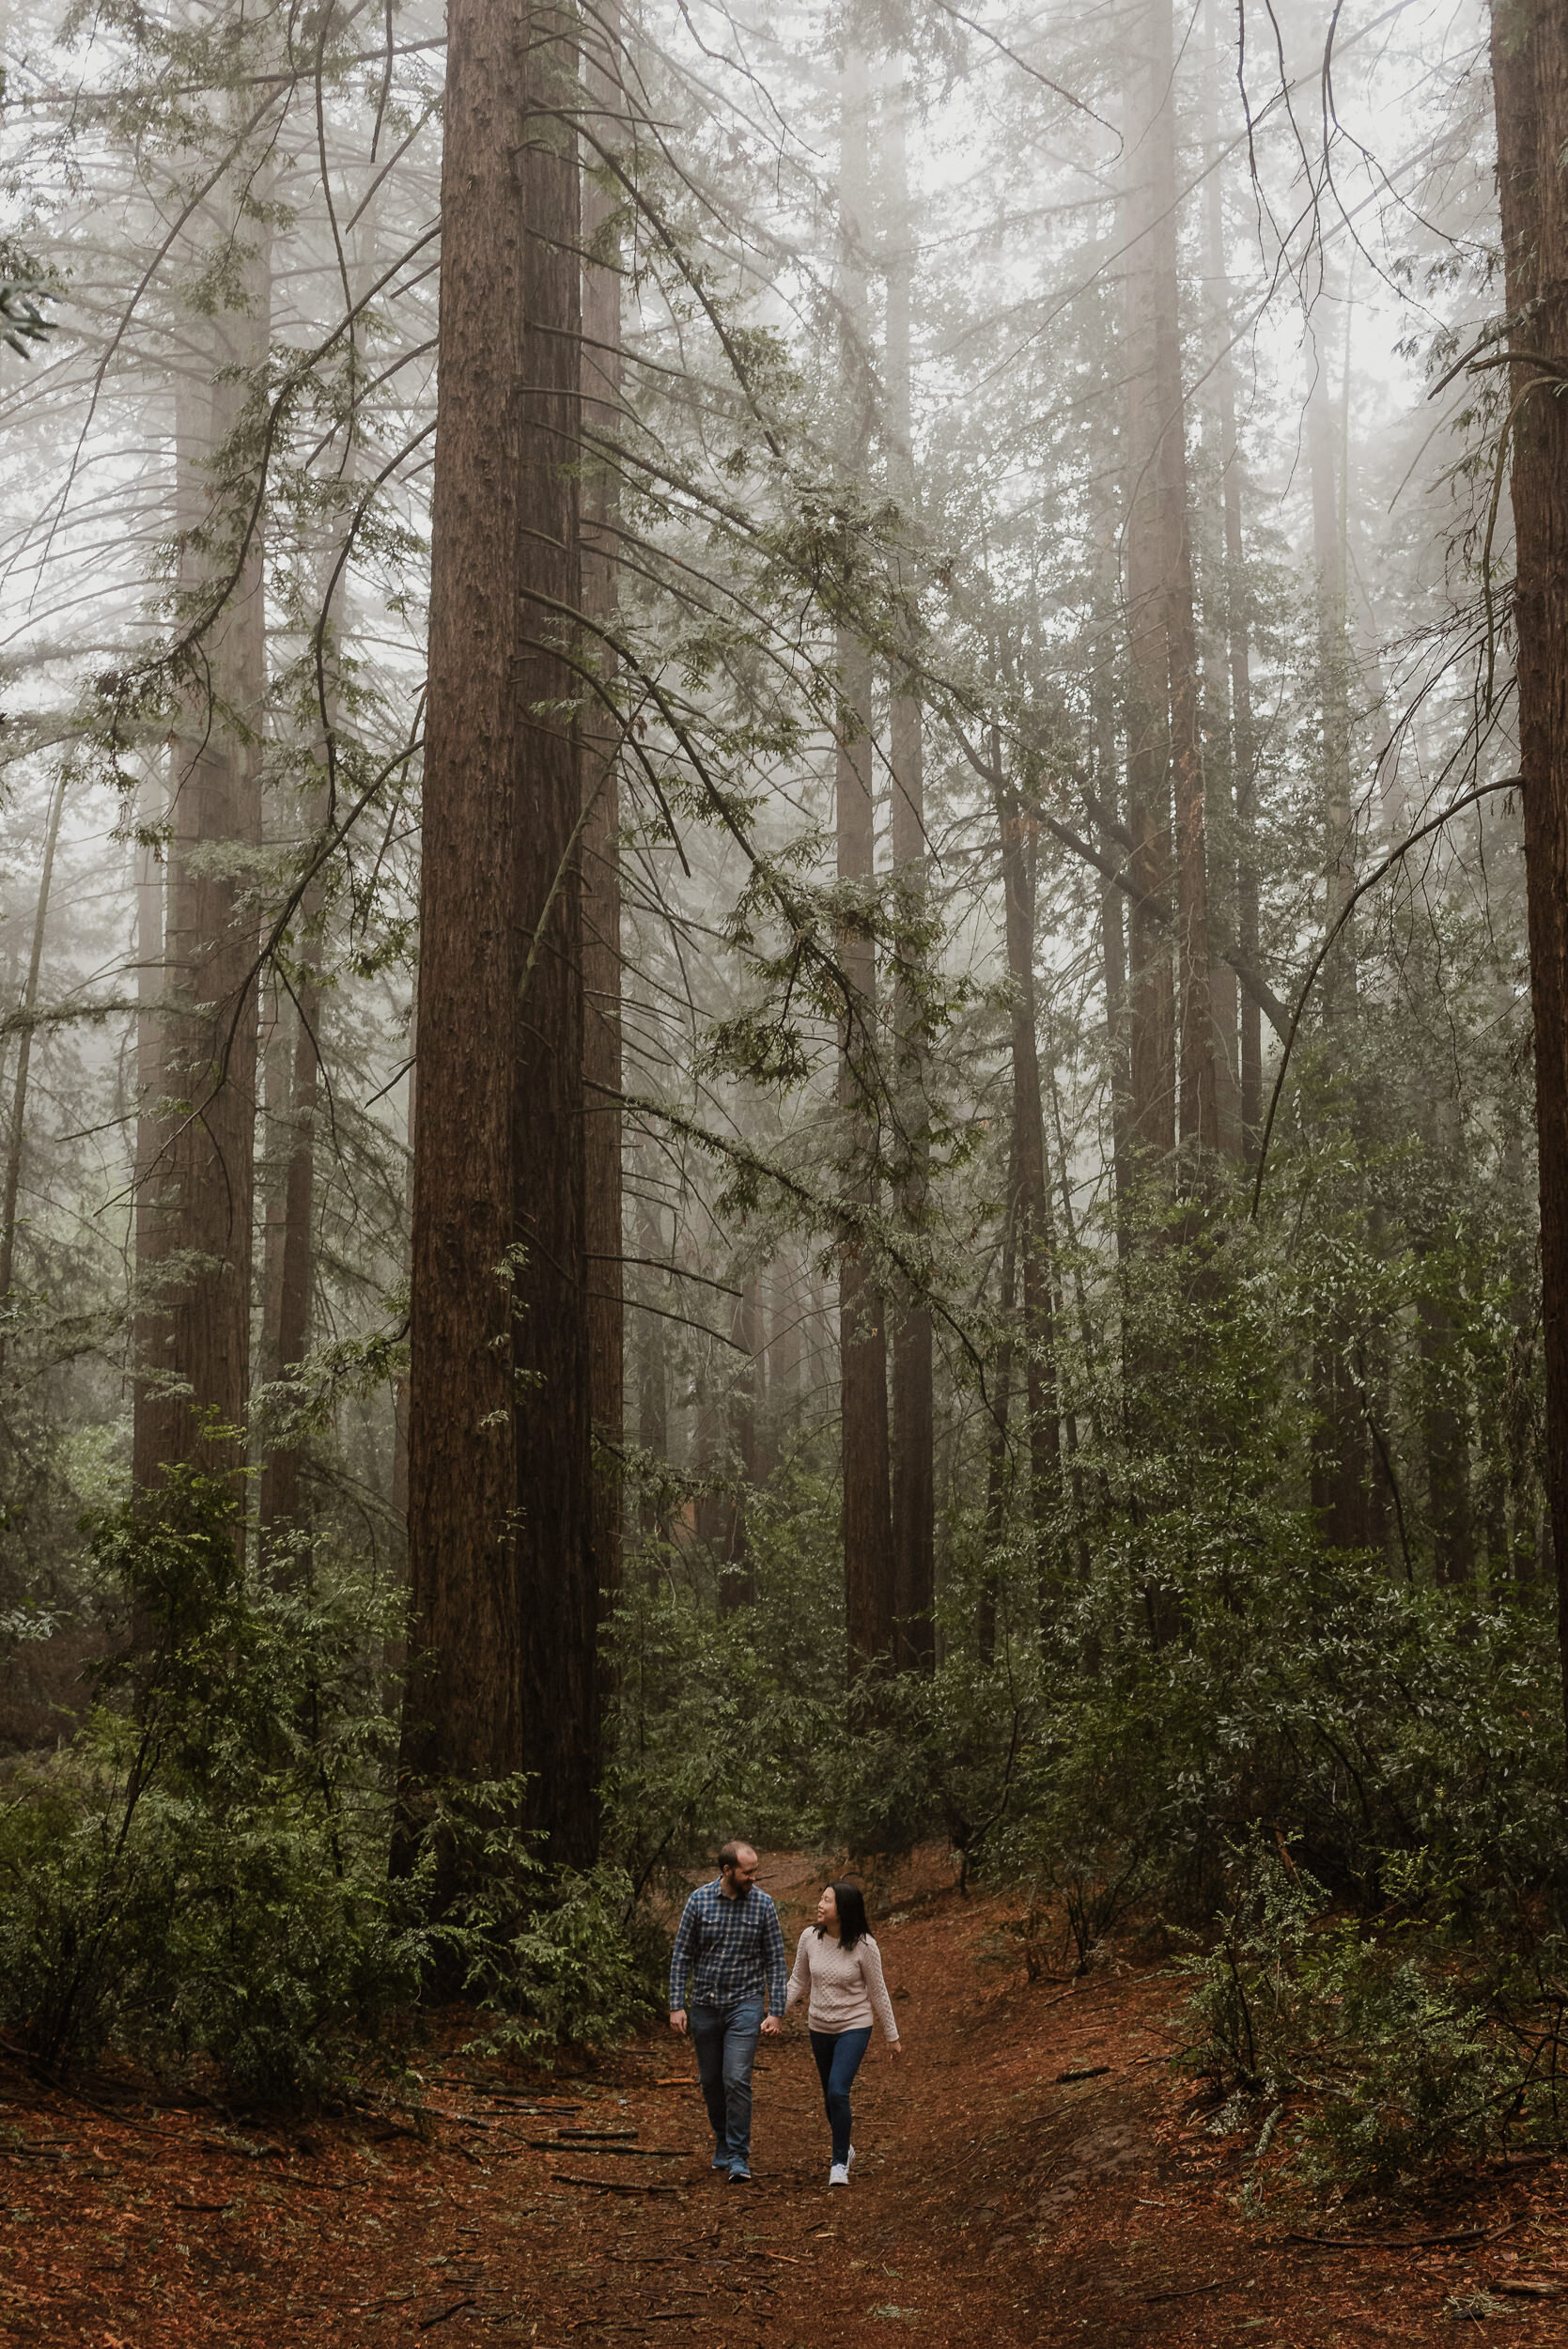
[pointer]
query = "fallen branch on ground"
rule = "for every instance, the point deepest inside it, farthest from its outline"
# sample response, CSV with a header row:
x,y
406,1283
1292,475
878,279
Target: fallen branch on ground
x,y
611,2185
1191,2292
1404,2242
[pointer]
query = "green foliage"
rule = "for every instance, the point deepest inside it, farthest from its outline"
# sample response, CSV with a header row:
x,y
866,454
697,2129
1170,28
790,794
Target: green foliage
x,y
1384,2047
199,1877
199,1880
20,320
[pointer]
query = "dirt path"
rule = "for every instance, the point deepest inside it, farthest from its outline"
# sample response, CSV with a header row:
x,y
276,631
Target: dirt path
x,y
994,2201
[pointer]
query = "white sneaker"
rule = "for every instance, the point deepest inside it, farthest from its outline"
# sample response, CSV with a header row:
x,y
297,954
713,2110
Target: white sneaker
x,y
850,2157
839,2173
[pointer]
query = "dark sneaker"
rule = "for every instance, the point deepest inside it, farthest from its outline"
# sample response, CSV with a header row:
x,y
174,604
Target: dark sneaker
x,y
740,2173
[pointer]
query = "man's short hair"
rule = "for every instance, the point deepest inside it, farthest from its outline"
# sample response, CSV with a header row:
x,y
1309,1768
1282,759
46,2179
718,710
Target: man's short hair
x,y
729,1853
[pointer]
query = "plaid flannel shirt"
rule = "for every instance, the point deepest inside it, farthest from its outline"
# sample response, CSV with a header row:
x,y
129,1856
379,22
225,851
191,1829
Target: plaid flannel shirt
x,y
729,1950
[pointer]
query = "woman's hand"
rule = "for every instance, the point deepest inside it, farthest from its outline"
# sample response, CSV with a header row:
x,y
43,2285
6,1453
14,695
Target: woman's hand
x,y
895,2046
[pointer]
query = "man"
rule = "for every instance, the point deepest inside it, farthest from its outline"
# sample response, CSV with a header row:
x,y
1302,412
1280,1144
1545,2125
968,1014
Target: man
x,y
730,1948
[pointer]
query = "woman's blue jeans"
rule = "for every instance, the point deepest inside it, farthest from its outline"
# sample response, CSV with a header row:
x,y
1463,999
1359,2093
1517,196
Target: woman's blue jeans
x,y
838,2057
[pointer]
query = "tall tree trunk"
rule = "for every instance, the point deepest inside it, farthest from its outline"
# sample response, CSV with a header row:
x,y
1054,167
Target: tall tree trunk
x,y
151,808
653,1388
193,1374
913,1427
16,1135
1345,1476
1152,1086
737,1578
1200,1092
292,1081
1237,1063
1244,761
504,1670
1325,458
784,1326
601,873
1029,1202
999,1438
300,1053
868,1551
1243,739
1114,944
1529,66
1445,1440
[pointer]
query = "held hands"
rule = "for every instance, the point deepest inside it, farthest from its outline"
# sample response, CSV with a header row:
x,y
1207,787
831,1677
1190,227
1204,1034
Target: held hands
x,y
771,2026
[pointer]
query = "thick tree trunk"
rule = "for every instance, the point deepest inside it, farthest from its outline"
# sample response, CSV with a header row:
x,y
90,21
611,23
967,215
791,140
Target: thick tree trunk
x,y
193,1374
868,1551
602,876
504,1668
1529,64
913,1425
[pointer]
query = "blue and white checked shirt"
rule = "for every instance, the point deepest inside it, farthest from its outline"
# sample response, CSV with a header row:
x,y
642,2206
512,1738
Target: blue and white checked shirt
x,y
728,1950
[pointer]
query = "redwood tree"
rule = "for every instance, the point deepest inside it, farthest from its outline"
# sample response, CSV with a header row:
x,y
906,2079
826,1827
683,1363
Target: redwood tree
x,y
1529,65
199,1187
601,873
868,1555
503,1672
913,1422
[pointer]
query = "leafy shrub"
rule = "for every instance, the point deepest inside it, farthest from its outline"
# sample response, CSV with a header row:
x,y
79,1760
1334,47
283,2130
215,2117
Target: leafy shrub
x,y
201,1876
1393,2046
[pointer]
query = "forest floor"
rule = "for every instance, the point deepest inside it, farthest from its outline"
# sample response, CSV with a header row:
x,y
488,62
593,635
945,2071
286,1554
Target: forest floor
x,y
997,2198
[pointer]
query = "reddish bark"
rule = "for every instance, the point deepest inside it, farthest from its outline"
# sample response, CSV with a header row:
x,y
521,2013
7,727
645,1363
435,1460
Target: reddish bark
x,y
504,1672
867,1514
913,1434
1529,64
602,876
194,1361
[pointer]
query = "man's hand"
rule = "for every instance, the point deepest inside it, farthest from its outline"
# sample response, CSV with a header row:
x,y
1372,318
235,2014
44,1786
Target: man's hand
x,y
677,2019
771,2026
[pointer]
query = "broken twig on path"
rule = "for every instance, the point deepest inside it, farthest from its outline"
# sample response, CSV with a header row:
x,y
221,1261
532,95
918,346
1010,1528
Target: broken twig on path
x,y
441,2315
611,2185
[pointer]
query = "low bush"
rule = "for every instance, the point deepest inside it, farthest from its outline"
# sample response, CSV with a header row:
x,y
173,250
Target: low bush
x,y
199,1879
1375,2051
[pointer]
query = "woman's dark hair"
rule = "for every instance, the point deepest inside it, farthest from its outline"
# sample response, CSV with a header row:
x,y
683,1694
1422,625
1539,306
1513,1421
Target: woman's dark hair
x,y
850,1903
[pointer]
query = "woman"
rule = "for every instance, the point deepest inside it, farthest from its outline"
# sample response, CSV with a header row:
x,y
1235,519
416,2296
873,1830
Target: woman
x,y
838,1970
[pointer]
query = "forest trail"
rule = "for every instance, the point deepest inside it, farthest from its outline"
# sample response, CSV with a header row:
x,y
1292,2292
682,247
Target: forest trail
x,y
994,2201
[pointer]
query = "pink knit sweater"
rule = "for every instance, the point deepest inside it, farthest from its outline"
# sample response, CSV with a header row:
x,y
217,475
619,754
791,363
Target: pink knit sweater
x,y
844,1986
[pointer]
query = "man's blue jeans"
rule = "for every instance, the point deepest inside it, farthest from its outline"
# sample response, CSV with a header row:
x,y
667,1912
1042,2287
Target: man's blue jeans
x,y
838,2057
725,2039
